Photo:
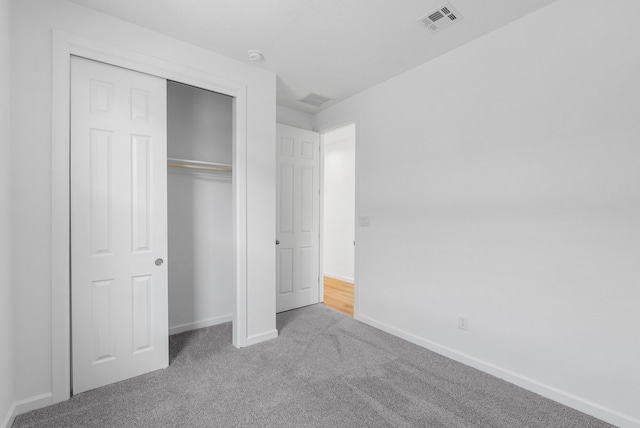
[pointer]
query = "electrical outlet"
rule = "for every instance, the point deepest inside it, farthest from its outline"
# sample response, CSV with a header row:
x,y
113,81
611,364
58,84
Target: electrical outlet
x,y
463,322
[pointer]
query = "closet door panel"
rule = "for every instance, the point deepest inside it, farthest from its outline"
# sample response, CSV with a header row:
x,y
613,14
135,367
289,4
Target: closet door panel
x,y
118,224
102,321
100,190
141,289
141,197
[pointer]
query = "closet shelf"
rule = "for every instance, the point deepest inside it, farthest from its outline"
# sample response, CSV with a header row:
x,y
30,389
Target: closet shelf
x,y
208,166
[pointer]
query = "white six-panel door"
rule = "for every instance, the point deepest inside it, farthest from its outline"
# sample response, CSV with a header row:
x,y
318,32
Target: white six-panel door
x,y
298,218
118,224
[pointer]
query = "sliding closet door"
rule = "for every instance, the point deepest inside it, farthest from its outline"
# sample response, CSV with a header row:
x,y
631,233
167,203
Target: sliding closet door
x,y
118,224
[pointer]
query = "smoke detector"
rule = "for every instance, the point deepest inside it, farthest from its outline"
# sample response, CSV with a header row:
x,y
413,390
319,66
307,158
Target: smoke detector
x,y
255,55
443,17
314,99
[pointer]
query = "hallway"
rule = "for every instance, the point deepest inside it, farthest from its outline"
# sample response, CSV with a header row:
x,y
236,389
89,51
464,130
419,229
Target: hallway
x,y
338,295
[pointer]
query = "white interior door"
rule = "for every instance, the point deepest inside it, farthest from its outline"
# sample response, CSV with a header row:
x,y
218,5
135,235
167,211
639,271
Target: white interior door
x,y
298,218
118,224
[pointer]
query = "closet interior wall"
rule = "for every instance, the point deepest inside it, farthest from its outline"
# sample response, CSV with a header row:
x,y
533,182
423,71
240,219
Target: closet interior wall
x,y
200,232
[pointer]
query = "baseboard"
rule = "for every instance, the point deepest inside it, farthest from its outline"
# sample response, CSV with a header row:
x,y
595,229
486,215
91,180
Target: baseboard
x,y
339,277
23,406
601,412
200,324
44,400
7,421
257,338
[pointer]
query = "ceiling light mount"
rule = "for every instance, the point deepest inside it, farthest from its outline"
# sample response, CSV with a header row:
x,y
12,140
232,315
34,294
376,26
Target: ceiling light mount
x,y
255,55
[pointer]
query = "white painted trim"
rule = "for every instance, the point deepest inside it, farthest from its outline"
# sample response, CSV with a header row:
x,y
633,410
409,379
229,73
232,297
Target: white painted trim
x,y
570,400
9,417
239,216
33,403
200,324
60,227
23,406
262,337
321,221
64,45
356,228
339,277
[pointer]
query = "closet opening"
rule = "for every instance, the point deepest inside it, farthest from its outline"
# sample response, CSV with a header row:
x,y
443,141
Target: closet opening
x,y
150,166
201,249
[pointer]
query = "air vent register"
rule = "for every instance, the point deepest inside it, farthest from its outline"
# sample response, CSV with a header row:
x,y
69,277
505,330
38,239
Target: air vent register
x,y
445,16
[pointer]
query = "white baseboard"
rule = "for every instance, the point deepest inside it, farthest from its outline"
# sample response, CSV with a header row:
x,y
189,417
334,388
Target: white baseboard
x,y
7,421
257,338
23,406
43,400
601,412
200,324
339,277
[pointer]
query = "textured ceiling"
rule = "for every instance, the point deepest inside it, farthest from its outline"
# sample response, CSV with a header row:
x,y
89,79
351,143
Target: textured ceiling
x,y
335,48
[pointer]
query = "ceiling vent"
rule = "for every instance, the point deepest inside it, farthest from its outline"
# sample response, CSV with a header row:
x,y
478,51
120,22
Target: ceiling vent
x,y
440,18
314,99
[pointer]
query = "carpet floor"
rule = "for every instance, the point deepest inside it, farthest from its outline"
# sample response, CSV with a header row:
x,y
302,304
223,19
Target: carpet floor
x,y
324,370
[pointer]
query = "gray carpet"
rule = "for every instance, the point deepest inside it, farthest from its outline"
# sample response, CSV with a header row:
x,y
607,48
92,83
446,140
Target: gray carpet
x,y
324,370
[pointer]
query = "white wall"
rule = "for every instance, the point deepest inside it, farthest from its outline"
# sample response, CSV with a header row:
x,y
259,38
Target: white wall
x,y
33,21
200,124
201,247
6,285
502,183
339,203
296,118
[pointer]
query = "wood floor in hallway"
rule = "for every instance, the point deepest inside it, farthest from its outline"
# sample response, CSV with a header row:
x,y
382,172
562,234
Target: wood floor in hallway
x,y
338,295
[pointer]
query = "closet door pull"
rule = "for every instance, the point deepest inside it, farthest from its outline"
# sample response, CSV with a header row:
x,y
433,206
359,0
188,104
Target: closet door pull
x,y
159,262
277,242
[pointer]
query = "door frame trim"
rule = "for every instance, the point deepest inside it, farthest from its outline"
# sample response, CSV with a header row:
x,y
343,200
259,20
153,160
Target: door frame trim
x,y
65,45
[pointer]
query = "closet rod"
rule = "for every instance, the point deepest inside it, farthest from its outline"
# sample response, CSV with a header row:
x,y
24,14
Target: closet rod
x,y
209,166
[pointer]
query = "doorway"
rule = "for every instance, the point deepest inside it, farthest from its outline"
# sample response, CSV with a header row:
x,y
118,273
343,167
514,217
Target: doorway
x,y
338,214
316,211
200,226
